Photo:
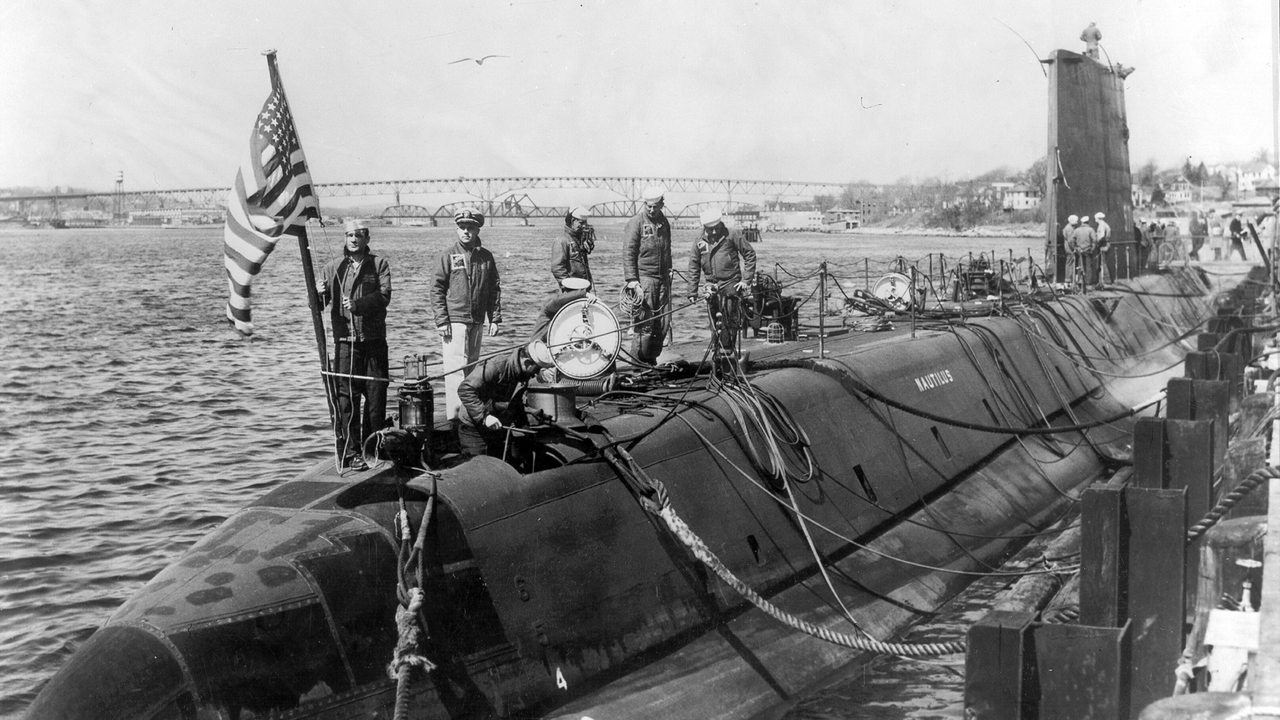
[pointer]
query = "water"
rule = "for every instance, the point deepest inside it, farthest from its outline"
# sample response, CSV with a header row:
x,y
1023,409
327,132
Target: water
x,y
135,420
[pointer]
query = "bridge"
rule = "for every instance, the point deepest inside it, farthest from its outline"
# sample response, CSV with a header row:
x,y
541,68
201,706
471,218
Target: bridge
x,y
506,197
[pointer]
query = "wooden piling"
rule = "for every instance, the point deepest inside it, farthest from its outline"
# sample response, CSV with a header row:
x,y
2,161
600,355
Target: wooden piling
x,y
1190,399
1156,590
1103,556
1264,670
999,671
1082,672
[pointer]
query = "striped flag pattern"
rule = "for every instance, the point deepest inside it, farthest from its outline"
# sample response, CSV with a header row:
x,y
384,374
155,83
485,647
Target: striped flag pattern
x,y
272,197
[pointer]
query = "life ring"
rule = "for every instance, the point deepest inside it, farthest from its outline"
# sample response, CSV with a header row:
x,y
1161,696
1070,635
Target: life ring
x,y
894,288
584,338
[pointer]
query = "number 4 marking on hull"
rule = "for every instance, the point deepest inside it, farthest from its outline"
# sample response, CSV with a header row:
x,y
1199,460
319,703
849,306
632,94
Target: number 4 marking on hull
x,y
560,681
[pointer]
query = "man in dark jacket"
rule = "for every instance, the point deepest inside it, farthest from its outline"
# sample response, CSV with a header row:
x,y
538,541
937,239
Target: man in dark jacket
x,y
1085,241
570,249
357,287
1236,228
646,267
466,298
729,263
492,397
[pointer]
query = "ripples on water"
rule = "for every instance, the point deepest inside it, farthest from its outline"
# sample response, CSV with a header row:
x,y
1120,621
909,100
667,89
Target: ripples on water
x,y
135,420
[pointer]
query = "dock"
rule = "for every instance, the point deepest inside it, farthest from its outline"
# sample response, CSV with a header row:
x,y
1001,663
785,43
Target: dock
x,y
1174,610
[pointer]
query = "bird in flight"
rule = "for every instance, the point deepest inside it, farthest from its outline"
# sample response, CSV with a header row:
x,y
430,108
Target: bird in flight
x,y
478,61
864,104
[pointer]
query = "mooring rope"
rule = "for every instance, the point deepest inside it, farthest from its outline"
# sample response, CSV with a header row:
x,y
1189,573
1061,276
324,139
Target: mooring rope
x,y
662,508
1237,494
409,628
654,498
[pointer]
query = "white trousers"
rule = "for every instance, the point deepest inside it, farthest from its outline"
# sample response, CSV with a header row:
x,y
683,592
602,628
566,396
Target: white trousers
x,y
462,350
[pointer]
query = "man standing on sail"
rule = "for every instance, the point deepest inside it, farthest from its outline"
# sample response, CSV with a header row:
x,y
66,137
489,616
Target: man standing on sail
x,y
358,287
646,267
1091,37
466,298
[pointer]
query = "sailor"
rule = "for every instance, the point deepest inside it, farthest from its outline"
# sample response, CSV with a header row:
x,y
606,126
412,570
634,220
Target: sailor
x,y
570,249
1237,237
646,267
1103,230
1085,242
729,263
1142,245
1091,37
492,397
1069,248
1199,228
358,288
466,298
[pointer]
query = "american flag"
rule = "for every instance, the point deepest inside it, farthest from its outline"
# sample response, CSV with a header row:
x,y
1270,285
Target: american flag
x,y
272,197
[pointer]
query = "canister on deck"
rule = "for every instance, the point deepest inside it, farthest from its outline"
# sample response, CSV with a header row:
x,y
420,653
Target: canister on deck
x,y
417,406
556,400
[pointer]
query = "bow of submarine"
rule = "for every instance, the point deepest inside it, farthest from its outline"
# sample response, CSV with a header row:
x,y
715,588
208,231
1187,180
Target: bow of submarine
x,y
289,604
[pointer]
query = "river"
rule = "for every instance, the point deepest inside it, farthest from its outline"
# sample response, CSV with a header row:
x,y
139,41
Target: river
x,y
135,420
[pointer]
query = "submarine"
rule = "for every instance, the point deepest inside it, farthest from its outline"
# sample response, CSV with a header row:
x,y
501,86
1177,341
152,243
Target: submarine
x,y
696,541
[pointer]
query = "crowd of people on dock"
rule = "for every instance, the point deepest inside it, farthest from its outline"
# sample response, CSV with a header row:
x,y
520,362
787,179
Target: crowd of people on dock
x,y
1087,239
466,300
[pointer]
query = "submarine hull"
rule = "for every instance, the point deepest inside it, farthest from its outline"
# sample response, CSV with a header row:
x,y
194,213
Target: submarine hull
x,y
555,593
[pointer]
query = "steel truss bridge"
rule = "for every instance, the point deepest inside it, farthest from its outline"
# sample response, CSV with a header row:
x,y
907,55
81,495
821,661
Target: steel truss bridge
x,y
506,197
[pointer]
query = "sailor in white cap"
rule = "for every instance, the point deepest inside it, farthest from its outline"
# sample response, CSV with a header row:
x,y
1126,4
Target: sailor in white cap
x,y
729,263
646,269
1085,243
571,247
1069,247
487,393
466,298
1103,246
358,288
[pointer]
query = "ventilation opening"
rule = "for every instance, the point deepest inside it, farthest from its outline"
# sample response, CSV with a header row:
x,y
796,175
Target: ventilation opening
x,y
946,451
755,549
990,413
867,490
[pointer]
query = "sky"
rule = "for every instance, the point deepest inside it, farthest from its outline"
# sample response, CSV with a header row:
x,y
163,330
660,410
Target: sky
x,y
881,91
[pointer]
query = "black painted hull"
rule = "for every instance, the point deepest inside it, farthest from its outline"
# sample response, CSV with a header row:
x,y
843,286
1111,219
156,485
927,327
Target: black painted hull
x,y
555,594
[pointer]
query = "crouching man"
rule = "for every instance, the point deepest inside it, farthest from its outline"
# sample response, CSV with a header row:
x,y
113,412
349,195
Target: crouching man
x,y
492,397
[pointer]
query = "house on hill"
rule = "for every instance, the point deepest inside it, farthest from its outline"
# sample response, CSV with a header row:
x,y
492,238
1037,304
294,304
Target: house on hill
x,y
1021,197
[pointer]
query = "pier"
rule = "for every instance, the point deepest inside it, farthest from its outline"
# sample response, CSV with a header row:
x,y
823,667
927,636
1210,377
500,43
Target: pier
x,y
1173,612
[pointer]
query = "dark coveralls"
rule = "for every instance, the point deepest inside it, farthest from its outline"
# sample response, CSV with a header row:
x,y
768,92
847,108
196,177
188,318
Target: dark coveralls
x,y
1237,238
493,387
646,257
569,254
360,343
718,255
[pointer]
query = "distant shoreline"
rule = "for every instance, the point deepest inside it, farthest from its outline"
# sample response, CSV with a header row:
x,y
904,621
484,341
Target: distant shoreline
x,y
981,231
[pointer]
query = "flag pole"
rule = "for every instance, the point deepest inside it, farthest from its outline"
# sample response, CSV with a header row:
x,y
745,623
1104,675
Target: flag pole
x,y
308,270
